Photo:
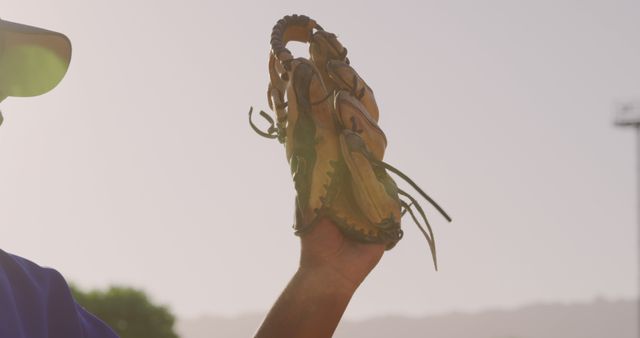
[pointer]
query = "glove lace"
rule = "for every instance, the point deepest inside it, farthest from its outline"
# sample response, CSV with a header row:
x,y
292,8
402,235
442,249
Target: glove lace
x,y
271,133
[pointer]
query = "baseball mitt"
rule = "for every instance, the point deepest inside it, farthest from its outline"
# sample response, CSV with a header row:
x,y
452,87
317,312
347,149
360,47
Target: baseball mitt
x,y
327,118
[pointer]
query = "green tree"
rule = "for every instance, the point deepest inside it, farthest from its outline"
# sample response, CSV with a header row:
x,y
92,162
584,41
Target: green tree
x,y
128,311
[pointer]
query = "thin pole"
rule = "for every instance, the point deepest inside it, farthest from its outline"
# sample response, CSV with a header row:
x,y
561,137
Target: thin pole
x,y
628,115
637,126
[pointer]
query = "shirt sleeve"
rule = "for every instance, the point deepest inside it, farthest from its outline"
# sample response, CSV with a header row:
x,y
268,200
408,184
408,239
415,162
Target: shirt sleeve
x,y
36,302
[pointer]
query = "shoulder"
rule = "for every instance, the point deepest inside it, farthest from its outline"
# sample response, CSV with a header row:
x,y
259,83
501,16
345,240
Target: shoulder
x,y
37,302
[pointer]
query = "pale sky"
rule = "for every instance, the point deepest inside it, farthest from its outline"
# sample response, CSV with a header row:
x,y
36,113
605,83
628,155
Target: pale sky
x,y
140,167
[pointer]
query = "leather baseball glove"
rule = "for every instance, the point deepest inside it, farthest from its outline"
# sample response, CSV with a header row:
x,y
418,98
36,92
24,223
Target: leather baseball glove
x,y
327,118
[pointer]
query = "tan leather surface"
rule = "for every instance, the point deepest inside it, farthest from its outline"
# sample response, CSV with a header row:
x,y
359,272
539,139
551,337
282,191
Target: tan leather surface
x,y
323,48
368,192
353,115
326,136
346,78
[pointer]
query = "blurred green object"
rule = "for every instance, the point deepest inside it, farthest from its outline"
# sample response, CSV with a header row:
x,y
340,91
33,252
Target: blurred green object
x,y
30,71
128,311
32,60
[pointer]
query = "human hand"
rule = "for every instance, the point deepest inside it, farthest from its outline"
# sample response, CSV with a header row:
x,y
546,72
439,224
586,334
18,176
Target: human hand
x,y
331,269
325,250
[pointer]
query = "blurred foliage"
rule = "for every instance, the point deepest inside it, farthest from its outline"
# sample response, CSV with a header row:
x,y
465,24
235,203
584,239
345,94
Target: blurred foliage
x,y
128,311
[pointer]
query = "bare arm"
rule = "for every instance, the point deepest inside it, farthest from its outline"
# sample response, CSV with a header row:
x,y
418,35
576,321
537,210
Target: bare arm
x,y
331,269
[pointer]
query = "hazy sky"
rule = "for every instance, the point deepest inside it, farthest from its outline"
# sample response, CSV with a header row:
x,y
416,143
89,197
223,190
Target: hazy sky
x,y
141,169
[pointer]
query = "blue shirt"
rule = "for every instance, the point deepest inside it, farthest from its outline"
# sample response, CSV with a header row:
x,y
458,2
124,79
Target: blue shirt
x,y
36,302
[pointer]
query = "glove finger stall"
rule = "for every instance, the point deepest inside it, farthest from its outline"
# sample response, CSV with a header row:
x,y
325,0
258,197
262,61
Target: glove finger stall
x,y
346,78
353,115
312,139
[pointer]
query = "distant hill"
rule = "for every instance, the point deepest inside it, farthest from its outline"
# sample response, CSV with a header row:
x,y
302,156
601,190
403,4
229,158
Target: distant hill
x,y
598,319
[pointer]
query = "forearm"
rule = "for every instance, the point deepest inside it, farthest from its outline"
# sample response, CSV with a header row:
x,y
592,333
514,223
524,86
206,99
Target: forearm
x,y
310,306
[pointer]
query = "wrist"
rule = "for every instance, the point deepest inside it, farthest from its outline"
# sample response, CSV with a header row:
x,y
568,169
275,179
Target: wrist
x,y
328,280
